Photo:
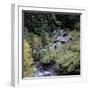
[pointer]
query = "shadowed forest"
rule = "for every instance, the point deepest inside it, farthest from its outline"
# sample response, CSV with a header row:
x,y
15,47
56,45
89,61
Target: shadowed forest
x,y
51,44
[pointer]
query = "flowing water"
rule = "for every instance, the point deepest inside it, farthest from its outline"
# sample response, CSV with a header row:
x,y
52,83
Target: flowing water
x,y
49,69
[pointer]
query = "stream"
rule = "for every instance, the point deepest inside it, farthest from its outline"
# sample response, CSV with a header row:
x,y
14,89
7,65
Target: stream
x,y
49,69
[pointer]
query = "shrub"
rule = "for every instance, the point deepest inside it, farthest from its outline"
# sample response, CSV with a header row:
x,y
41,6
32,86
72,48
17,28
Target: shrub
x,y
28,60
77,26
69,57
47,56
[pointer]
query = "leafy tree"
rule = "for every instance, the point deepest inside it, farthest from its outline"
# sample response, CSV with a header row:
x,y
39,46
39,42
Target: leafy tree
x,y
28,60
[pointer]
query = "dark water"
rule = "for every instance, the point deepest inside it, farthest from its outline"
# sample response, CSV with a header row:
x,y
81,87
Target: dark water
x,y
44,70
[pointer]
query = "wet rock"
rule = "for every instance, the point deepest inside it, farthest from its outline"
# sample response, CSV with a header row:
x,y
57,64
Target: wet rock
x,y
63,38
45,69
56,45
47,73
38,74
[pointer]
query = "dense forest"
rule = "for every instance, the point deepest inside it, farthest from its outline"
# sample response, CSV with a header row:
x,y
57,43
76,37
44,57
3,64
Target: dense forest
x,y
51,44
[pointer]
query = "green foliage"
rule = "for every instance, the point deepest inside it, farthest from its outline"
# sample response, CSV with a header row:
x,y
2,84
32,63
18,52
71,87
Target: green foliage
x,y
76,46
68,21
38,22
69,57
47,56
69,60
45,38
28,60
77,26
36,43
39,31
